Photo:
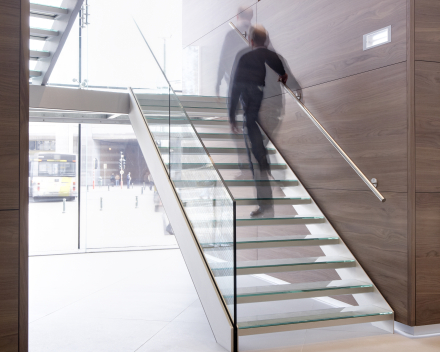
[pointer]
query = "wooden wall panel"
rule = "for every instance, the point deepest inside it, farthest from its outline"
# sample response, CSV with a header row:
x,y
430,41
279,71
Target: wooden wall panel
x,y
365,114
427,30
9,270
428,258
9,103
201,17
14,147
323,40
376,233
23,328
427,105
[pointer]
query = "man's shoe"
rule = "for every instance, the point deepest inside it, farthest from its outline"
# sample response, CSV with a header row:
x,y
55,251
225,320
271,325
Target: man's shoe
x,y
240,176
262,211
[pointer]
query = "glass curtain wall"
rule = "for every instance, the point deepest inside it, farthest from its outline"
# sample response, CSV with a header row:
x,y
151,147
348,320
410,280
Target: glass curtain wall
x,y
90,189
53,187
120,205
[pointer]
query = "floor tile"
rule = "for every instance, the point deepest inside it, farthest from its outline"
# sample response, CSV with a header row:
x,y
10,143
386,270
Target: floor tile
x,y
183,337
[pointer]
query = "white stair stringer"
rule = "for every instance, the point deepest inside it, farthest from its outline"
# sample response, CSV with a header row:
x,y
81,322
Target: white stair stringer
x,y
203,280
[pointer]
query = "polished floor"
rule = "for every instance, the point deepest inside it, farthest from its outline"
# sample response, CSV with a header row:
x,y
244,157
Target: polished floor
x,y
145,301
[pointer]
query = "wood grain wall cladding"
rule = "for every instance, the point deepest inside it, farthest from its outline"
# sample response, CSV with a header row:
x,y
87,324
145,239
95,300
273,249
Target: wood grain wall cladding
x,y
9,269
322,40
8,343
9,102
365,114
428,258
427,115
23,329
201,17
427,30
376,233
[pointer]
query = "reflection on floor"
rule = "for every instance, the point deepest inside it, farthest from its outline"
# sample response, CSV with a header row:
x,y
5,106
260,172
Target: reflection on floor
x,y
145,301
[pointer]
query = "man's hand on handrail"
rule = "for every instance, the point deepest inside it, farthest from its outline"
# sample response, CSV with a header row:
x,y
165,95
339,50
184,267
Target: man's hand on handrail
x,y
283,78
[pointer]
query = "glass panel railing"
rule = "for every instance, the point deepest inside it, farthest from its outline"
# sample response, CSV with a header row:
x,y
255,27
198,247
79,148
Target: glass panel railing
x,y
205,198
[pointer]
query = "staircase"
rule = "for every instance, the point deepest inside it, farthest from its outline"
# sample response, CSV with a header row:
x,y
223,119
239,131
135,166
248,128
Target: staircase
x,y
60,20
285,271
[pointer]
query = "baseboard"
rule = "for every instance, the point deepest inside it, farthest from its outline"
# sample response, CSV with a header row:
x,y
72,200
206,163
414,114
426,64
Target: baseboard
x,y
417,331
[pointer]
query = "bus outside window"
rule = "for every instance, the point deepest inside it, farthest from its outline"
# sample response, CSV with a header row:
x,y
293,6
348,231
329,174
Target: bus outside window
x,y
53,176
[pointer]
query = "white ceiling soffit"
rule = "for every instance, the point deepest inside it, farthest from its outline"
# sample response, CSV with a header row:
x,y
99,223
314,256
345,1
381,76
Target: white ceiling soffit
x,y
43,97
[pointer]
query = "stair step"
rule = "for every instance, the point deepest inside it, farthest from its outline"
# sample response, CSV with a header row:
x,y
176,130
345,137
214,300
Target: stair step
x,y
275,201
252,183
311,319
252,267
183,98
42,34
148,109
37,54
33,73
47,12
211,150
248,201
147,103
276,242
235,183
304,290
205,135
175,120
220,166
295,220
186,135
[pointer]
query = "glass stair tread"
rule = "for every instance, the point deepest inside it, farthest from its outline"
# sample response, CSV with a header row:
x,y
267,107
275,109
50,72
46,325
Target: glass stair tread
x,y
47,11
273,221
275,201
43,29
245,183
184,165
331,314
235,183
301,287
274,242
281,265
212,150
302,290
48,6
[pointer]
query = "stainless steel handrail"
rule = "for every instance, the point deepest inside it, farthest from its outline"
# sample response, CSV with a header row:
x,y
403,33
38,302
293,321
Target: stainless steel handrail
x,y
324,131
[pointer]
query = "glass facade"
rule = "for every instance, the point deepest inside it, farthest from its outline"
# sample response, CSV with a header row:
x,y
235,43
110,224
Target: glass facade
x,y
90,189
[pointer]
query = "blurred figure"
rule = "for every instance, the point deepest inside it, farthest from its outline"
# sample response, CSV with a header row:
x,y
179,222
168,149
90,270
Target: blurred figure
x,y
117,178
232,46
128,180
112,180
248,83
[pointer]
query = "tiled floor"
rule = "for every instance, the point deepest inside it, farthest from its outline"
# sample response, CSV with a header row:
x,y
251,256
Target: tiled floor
x,y
145,301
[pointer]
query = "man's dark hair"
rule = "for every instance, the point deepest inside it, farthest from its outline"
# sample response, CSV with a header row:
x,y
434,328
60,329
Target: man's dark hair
x,y
258,35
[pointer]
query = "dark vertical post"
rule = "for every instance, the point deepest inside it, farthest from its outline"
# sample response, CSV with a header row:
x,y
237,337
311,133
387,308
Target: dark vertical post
x,y
235,277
